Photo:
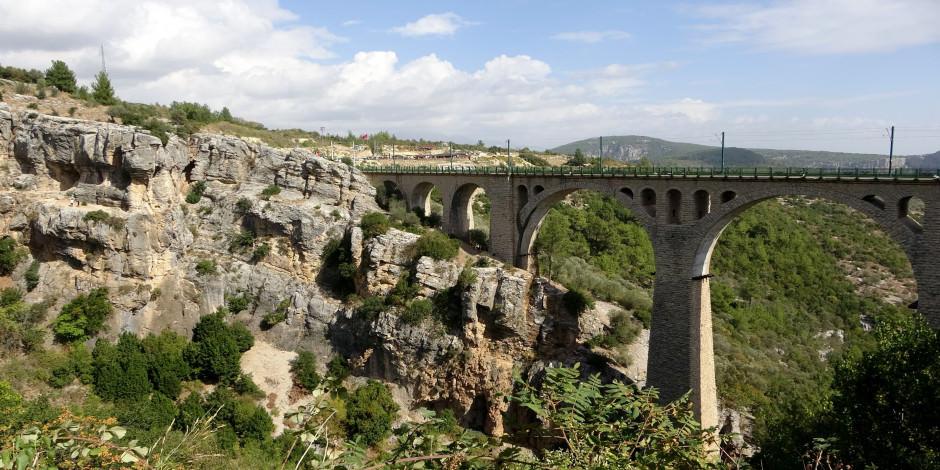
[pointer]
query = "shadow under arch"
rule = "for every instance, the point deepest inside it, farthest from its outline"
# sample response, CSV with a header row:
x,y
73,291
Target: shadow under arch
x,y
388,191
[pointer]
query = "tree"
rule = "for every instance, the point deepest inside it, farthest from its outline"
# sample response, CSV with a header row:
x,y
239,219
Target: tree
x,y
437,245
304,369
83,317
217,347
61,76
121,369
102,91
578,159
225,114
370,412
886,408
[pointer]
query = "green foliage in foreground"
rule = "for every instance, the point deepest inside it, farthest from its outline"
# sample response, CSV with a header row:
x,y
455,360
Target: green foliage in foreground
x,y
83,317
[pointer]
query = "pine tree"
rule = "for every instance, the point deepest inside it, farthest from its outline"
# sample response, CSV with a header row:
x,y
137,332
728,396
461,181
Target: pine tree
x,y
102,91
61,76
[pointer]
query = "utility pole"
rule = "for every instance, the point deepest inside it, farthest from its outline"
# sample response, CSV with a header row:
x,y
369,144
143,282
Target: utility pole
x,y
508,155
722,152
891,151
103,68
450,151
600,156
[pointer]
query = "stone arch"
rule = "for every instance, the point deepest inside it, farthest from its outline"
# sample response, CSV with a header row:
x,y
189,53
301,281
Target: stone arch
x,y
715,223
390,190
728,196
538,189
461,209
534,212
627,192
522,195
906,205
674,198
648,201
421,197
703,203
876,201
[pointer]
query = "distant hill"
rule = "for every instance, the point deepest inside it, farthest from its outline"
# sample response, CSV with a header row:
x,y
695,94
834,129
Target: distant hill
x,y
664,152
929,161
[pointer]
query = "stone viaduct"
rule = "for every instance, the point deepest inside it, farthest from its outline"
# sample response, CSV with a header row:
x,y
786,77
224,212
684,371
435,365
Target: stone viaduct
x,y
684,214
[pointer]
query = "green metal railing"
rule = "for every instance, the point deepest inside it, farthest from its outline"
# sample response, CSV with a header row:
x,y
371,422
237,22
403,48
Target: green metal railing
x,y
669,172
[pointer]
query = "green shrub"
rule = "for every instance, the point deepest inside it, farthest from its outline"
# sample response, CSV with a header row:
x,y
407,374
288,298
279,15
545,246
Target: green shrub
x,y
206,267
403,292
83,317
32,106
195,192
20,322
243,206
167,366
374,224
261,252
622,331
251,422
237,303
32,276
347,161
370,308
304,370
437,245
370,411
102,91
121,369
577,301
10,401
216,348
242,241
338,272
191,409
10,255
244,385
277,316
338,368
154,413
416,311
271,190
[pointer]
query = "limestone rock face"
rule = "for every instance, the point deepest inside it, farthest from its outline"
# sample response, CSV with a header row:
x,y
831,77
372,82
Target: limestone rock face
x,y
104,205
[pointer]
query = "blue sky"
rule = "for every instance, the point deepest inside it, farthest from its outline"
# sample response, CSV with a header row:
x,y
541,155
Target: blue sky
x,y
806,74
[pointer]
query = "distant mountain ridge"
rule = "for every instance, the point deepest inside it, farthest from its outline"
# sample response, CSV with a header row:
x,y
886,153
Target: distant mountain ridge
x,y
664,152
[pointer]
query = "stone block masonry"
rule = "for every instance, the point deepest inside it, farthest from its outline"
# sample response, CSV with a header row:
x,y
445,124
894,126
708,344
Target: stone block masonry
x,y
684,217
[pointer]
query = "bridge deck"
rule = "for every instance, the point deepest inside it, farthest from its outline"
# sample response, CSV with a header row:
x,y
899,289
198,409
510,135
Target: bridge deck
x,y
836,174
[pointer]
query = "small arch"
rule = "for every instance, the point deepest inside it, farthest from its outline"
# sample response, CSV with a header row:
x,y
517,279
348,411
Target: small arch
x,y
538,189
627,191
522,195
387,193
469,210
727,196
876,201
703,203
648,201
910,212
674,197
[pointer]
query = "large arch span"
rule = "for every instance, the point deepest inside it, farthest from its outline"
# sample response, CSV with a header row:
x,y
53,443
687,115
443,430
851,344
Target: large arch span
x,y
684,216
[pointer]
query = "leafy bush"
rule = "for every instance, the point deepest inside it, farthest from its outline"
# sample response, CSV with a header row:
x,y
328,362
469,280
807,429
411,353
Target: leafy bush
x,y
32,276
167,366
622,331
243,206
237,303
83,317
416,311
206,267
20,329
195,192
242,241
217,347
10,255
277,316
613,425
121,369
370,308
338,368
577,301
304,370
374,224
251,422
154,413
271,190
347,161
437,245
191,409
370,411
261,252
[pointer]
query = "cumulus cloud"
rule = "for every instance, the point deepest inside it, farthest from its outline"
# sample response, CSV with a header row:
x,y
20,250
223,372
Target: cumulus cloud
x,y
826,26
254,57
437,24
592,37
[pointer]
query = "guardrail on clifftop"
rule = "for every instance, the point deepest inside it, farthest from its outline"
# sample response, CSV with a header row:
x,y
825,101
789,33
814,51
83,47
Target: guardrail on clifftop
x,y
868,174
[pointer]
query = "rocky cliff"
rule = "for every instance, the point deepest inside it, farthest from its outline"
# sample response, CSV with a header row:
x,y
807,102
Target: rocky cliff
x,y
100,204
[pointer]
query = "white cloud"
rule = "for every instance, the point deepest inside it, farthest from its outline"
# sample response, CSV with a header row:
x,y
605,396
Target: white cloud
x,y
826,26
252,56
695,110
437,24
349,23
592,37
